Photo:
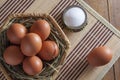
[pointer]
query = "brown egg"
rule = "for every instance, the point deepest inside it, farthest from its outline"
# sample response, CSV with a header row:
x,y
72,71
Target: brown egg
x,y
13,55
42,28
16,32
99,56
31,44
32,65
49,50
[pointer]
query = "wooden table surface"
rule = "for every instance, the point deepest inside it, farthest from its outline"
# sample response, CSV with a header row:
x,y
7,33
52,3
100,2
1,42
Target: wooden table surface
x,y
110,10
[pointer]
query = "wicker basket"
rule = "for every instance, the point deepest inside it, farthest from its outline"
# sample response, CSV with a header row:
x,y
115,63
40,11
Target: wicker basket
x,y
16,72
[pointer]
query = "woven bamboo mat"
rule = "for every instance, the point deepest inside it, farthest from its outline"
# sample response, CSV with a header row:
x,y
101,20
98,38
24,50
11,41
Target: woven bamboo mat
x,y
96,33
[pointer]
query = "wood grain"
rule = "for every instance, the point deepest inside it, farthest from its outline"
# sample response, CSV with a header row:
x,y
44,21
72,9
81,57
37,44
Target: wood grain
x,y
110,75
109,9
100,6
114,11
117,69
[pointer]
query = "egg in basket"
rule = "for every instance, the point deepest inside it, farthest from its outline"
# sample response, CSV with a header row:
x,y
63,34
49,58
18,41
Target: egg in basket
x,y
32,46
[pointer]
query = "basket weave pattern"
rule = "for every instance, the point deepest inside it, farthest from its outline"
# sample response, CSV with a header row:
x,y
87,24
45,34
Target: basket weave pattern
x,y
56,35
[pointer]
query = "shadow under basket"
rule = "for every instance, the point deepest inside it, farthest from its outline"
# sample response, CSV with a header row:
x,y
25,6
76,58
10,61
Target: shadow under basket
x,y
51,68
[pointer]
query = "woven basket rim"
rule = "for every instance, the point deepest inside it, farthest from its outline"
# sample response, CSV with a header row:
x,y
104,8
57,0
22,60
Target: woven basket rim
x,y
44,15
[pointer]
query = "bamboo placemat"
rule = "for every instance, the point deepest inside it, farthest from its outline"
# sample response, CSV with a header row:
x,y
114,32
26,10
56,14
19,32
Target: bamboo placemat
x,y
96,33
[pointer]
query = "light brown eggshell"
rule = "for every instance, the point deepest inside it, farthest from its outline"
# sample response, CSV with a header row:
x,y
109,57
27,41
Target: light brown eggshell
x,y
31,44
16,32
49,50
13,55
42,28
32,65
99,56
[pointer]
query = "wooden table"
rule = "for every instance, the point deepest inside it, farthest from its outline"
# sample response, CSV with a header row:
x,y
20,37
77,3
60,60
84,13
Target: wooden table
x,y
109,9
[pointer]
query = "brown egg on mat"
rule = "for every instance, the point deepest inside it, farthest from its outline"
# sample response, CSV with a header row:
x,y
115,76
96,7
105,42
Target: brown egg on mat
x,y
16,32
99,56
42,28
49,50
31,44
12,55
32,65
